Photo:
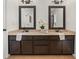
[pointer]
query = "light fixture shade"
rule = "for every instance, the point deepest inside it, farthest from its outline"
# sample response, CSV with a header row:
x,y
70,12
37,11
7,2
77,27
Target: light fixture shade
x,y
25,1
57,1
22,1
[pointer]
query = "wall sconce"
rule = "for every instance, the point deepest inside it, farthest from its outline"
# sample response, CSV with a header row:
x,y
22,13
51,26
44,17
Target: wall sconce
x,y
57,1
26,1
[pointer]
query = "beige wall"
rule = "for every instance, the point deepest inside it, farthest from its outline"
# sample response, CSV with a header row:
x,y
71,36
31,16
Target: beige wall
x,y
41,12
71,15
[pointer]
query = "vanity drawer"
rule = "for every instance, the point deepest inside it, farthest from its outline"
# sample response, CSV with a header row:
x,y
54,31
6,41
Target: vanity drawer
x,y
25,38
40,49
68,47
55,47
14,47
40,43
70,37
53,37
40,38
12,38
26,47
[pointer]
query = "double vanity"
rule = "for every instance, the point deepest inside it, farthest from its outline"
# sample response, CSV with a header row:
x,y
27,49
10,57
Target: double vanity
x,y
36,42
54,41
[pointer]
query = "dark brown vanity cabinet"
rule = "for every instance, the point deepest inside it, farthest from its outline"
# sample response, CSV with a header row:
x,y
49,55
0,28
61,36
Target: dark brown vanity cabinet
x,y
68,44
55,47
41,45
26,45
14,46
67,47
41,50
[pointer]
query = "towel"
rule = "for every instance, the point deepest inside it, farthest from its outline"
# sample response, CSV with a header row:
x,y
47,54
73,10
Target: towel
x,y
19,37
61,36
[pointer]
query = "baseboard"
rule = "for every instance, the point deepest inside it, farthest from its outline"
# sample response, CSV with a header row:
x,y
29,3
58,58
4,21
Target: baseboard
x,y
74,56
7,56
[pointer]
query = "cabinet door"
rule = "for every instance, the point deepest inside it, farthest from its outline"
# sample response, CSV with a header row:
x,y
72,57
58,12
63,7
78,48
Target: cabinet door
x,y
40,45
26,47
68,47
14,47
41,42
40,49
55,47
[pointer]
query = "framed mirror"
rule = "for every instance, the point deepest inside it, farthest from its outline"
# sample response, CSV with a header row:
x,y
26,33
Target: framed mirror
x,y
27,17
56,17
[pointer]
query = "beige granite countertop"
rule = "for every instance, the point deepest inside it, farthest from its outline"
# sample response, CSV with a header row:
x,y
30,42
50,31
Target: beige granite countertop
x,y
38,32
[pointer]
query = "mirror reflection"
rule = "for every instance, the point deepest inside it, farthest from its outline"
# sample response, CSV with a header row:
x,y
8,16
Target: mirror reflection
x,y
27,19
56,17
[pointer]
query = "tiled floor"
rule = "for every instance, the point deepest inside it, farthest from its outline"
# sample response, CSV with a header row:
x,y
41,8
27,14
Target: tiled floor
x,y
41,57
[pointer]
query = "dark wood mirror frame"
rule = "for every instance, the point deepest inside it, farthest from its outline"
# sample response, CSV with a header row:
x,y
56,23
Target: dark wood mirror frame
x,y
63,17
34,12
